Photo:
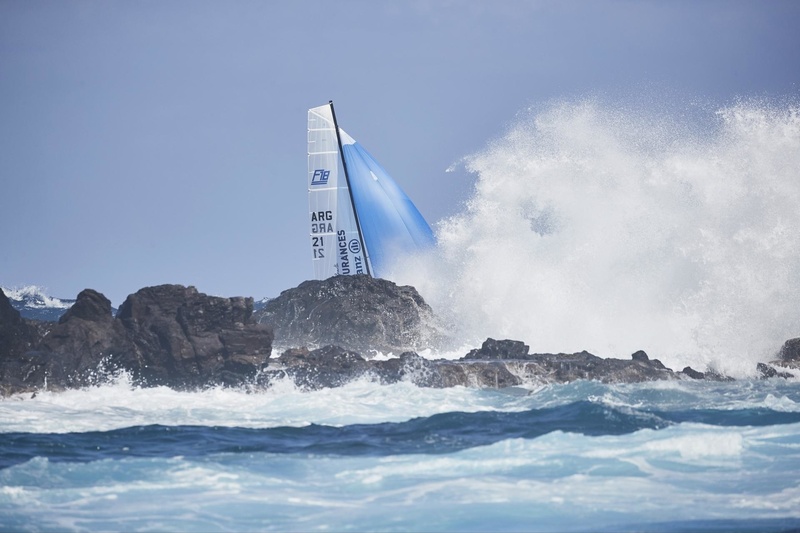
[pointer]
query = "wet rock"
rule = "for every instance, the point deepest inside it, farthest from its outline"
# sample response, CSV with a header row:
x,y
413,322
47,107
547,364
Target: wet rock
x,y
497,364
790,353
18,336
358,313
692,373
502,349
173,335
165,335
183,338
72,353
766,371
329,366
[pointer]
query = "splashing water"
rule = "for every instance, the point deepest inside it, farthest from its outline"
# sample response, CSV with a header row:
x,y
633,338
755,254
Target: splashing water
x,y
602,228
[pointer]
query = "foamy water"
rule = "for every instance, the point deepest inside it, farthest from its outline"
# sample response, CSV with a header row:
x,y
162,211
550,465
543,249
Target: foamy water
x,y
600,227
579,457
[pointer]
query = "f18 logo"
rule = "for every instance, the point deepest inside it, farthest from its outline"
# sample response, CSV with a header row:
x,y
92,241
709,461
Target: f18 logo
x,y
320,177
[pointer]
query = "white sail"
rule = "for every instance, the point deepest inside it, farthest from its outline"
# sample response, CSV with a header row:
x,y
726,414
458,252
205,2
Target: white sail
x,y
336,247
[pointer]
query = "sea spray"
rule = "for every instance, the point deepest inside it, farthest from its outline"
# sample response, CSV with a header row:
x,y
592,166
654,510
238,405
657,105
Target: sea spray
x,y
608,228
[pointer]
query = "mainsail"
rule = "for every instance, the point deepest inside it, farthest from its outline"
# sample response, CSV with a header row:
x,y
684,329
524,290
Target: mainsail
x,y
360,220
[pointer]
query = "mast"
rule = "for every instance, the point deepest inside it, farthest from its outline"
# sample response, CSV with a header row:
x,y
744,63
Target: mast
x,y
350,190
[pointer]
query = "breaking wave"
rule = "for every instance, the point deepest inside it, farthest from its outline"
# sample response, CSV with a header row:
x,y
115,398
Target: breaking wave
x,y
603,227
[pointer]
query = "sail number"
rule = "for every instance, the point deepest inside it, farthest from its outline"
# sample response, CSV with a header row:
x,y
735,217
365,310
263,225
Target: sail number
x,y
318,247
322,222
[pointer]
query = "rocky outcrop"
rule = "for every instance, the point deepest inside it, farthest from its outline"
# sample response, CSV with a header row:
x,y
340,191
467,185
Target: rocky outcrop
x,y
181,337
358,313
166,335
497,364
18,336
176,336
790,353
72,352
787,363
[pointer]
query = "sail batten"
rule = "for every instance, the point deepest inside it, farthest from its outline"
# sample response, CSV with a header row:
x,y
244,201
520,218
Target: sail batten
x,y
361,220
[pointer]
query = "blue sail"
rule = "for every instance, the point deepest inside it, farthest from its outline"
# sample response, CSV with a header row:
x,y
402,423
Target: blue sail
x,y
390,223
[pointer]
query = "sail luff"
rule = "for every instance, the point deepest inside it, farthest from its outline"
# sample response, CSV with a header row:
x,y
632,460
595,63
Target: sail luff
x,y
350,190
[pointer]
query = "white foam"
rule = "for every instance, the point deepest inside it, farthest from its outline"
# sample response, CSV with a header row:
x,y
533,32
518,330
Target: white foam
x,y
121,404
36,297
612,230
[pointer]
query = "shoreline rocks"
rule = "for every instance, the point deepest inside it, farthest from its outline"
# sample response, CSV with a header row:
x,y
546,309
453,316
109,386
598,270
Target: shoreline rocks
x,y
178,337
166,335
358,313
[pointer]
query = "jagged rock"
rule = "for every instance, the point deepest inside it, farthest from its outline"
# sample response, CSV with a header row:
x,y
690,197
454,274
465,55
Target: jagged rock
x,y
71,354
181,337
692,373
790,353
174,335
166,335
496,364
18,336
766,371
562,368
90,305
358,313
504,349
329,366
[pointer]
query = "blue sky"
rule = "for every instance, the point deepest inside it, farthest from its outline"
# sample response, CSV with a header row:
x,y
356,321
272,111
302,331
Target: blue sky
x,y
158,142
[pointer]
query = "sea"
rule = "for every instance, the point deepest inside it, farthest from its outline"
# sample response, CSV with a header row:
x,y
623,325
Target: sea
x,y
593,224
584,456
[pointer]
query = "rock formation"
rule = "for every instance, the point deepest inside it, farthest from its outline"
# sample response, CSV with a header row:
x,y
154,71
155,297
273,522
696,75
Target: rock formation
x,y
788,360
176,336
790,353
358,313
166,335
18,336
181,337
498,363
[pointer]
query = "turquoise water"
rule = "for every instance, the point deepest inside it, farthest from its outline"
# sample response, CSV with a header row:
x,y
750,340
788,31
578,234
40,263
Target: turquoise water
x,y
369,457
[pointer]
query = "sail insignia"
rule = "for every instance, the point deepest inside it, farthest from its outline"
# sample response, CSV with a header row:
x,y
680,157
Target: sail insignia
x,y
361,220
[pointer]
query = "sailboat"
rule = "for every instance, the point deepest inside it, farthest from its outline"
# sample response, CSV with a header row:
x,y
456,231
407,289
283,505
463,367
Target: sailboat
x,y
360,224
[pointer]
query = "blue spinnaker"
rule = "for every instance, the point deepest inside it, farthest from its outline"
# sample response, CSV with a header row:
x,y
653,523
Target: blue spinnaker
x,y
391,224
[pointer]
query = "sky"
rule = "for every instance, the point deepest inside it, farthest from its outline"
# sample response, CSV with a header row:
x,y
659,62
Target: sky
x,y
149,142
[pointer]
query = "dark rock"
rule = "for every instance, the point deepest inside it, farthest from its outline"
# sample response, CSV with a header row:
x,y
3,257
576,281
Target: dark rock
x,y
497,364
766,371
692,373
491,374
17,337
790,352
504,349
90,305
563,368
329,366
410,367
8,315
183,338
73,352
358,313
166,335
174,335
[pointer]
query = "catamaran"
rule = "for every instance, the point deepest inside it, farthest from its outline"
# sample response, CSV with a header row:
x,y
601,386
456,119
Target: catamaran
x,y
362,223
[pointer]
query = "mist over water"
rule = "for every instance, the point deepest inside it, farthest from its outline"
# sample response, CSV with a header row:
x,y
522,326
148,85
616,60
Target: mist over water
x,y
609,228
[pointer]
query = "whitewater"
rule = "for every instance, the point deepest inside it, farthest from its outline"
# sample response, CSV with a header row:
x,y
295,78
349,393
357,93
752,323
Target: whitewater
x,y
593,225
